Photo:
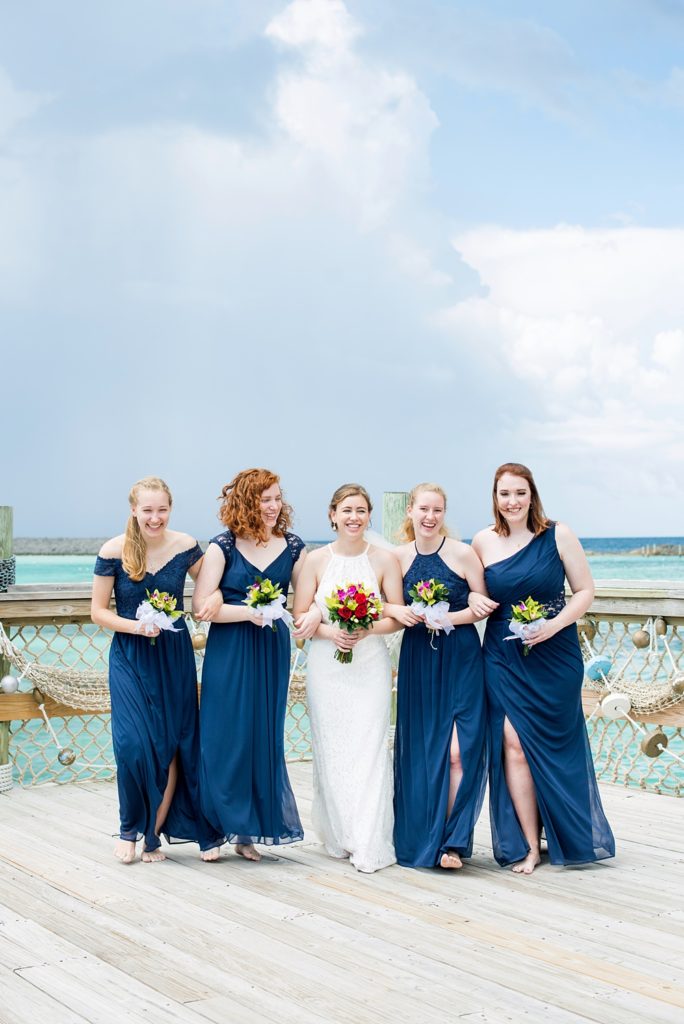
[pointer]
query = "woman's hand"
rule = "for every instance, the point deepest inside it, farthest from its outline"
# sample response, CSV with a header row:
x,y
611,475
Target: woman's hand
x,y
481,605
403,614
253,616
544,631
307,623
345,641
137,629
210,607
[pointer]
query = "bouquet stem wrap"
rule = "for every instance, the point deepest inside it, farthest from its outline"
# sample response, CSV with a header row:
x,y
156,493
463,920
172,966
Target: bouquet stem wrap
x,y
148,617
435,615
273,611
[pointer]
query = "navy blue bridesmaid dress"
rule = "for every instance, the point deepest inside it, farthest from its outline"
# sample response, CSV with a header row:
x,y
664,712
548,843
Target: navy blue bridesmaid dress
x,y
246,792
540,694
153,689
438,686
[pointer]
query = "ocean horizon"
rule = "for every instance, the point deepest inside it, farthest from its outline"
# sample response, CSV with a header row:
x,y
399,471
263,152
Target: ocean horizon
x,y
64,560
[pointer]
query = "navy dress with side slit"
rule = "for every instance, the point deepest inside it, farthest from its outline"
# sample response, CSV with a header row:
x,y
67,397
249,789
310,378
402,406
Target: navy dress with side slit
x,y
540,694
440,686
246,792
153,691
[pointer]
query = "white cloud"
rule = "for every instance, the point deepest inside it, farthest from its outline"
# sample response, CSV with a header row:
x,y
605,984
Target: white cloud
x,y
592,321
365,127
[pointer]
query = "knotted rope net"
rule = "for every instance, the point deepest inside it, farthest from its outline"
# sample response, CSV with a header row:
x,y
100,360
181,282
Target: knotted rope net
x,y
86,689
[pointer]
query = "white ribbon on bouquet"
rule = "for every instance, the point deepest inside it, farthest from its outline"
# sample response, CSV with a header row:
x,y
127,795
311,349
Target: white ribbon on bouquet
x,y
149,617
524,630
273,611
435,615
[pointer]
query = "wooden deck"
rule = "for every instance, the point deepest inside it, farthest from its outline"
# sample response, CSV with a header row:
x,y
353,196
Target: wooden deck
x,y
302,938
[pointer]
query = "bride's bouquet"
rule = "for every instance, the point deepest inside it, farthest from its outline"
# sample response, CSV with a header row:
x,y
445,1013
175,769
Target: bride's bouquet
x,y
158,610
268,598
526,620
430,601
351,607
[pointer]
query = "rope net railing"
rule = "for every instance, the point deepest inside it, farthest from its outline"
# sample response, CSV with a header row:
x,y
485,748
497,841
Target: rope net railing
x,y
68,662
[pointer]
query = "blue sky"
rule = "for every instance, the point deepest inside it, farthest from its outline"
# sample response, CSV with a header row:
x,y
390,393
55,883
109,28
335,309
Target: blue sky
x,y
378,240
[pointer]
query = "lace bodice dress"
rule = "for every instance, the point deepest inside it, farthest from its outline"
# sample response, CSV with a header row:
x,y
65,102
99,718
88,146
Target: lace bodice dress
x,y
153,689
349,710
246,791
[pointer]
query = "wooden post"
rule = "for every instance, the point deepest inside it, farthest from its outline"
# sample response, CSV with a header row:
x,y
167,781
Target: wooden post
x,y
6,538
394,505
6,549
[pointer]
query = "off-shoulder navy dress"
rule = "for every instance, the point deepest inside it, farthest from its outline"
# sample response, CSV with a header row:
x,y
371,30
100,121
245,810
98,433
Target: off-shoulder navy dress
x,y
540,694
246,792
438,686
153,691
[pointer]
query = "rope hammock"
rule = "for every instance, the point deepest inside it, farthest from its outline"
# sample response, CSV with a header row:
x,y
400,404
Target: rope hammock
x,y
87,689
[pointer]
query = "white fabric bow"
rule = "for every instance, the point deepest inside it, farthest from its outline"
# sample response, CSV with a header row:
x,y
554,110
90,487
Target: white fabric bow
x,y
274,610
435,615
148,617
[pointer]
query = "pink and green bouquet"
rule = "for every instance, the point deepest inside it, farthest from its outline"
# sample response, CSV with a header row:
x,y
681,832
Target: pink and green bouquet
x,y
353,606
526,619
158,610
430,601
268,599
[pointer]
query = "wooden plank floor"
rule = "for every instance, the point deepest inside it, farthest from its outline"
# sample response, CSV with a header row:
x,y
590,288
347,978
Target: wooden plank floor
x,y
303,938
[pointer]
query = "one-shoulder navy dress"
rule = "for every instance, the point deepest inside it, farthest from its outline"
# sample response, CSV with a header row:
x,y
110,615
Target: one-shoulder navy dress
x,y
540,694
246,792
438,686
153,689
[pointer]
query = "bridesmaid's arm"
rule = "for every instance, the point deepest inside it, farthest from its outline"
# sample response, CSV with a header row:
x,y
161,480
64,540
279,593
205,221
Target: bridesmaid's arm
x,y
306,621
471,568
394,606
479,600
204,597
581,583
213,603
102,615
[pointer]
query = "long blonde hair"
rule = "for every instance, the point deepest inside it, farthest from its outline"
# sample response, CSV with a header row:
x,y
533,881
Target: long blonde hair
x,y
406,532
134,554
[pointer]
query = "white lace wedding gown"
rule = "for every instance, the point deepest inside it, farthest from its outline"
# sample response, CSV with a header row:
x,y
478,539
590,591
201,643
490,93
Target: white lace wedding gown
x,y
349,711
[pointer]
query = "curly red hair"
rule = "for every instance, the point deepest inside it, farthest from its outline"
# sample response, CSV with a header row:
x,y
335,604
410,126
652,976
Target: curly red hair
x,y
240,507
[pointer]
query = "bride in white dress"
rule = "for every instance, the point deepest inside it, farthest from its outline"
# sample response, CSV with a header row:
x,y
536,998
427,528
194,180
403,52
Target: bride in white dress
x,y
349,704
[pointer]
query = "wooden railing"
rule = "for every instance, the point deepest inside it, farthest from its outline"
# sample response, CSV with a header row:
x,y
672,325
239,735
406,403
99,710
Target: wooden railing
x,y
51,625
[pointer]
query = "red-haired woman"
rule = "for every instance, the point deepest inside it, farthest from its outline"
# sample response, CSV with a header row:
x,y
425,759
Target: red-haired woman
x,y
541,771
246,792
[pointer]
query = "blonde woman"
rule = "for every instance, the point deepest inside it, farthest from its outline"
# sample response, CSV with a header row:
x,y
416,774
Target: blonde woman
x,y
440,765
152,679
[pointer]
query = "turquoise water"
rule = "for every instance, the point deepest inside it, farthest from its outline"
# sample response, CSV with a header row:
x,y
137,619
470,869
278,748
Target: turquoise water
x,y
618,566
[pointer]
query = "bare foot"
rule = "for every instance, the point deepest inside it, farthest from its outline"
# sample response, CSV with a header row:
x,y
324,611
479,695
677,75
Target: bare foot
x,y
450,859
124,851
152,856
527,866
247,851
209,855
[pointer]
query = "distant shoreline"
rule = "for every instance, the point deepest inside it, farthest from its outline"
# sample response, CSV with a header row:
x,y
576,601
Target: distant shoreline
x,y
91,546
